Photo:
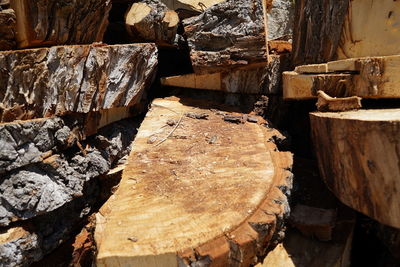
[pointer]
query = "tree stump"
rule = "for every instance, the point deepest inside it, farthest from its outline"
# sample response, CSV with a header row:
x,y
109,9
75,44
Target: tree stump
x,y
197,189
358,154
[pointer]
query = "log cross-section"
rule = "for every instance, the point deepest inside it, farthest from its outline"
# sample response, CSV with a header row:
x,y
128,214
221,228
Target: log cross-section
x,y
195,191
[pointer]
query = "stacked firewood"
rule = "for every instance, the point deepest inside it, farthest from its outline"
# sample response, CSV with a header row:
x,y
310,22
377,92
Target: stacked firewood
x,y
60,85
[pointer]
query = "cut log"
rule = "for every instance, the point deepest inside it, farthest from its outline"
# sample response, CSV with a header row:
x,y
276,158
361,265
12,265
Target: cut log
x,y
329,30
227,35
44,23
8,22
260,78
178,201
370,77
327,103
52,81
151,20
358,155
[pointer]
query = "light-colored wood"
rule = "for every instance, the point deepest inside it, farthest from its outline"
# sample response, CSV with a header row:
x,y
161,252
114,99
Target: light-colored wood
x,y
358,155
327,103
180,197
371,28
47,22
151,20
192,5
369,77
259,78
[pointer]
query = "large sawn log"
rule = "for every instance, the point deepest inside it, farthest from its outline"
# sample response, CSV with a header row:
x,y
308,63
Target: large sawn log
x,y
327,30
151,20
52,81
227,35
197,190
358,156
53,22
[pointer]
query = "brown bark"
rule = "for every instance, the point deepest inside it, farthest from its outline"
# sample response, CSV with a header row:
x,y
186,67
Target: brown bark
x,y
58,80
317,31
8,22
358,154
52,22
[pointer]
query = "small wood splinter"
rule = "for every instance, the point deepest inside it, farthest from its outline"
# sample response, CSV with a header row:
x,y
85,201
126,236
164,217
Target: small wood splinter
x,y
328,103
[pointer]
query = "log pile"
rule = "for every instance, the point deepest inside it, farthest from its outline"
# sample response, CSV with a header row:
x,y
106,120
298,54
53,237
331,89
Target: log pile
x,y
344,51
200,182
63,93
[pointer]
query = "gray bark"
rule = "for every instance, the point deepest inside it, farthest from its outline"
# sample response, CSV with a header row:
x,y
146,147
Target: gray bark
x,y
227,35
45,186
52,81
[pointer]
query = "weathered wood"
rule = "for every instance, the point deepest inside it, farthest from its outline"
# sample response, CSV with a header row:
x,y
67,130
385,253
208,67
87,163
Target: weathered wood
x,y
58,80
178,202
151,20
358,154
260,78
227,35
280,17
327,103
8,22
329,30
371,28
370,77
56,180
317,31
44,22
191,5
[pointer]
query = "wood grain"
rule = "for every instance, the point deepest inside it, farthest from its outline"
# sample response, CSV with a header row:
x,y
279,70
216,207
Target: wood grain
x,y
213,197
358,154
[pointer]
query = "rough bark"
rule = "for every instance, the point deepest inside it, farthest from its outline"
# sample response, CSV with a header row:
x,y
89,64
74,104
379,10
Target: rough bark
x,y
280,20
358,156
171,183
52,81
51,22
317,31
261,78
42,187
28,142
151,20
8,22
227,35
